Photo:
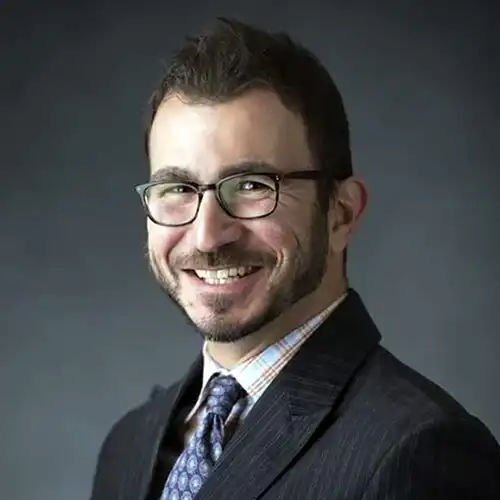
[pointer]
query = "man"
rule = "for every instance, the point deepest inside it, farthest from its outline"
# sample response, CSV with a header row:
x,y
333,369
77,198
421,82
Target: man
x,y
250,206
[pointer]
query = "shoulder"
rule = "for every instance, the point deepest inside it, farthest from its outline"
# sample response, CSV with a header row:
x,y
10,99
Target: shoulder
x,y
129,423
392,385
420,436
396,397
129,439
435,449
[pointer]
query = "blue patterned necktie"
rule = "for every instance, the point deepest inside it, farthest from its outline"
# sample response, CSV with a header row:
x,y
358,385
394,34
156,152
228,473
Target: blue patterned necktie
x,y
206,444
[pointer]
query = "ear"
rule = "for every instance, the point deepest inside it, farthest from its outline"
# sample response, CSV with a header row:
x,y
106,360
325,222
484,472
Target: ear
x,y
346,209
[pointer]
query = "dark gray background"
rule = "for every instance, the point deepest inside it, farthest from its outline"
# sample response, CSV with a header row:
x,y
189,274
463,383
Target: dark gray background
x,y
85,332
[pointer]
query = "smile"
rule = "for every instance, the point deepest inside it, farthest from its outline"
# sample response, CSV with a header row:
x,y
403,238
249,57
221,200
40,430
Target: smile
x,y
224,276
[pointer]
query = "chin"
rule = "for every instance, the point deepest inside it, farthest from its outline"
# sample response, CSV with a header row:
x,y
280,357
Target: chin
x,y
233,325
228,326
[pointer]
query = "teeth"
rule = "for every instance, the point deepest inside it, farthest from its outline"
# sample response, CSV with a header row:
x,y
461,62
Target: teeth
x,y
221,281
222,274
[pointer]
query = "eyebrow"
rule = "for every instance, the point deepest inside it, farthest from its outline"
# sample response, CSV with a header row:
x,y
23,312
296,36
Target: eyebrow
x,y
174,173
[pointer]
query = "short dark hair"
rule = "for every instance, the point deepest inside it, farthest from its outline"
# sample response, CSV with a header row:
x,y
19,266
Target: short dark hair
x,y
229,58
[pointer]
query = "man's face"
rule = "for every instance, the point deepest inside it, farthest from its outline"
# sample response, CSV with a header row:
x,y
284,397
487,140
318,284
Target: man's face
x,y
286,251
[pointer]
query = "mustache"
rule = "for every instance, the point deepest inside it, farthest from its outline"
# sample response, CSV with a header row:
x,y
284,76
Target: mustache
x,y
224,257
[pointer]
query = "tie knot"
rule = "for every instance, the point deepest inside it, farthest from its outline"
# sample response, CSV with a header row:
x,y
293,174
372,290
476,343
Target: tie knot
x,y
223,393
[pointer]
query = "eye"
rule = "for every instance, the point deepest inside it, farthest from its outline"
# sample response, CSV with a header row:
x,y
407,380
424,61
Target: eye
x,y
254,184
178,189
251,185
170,191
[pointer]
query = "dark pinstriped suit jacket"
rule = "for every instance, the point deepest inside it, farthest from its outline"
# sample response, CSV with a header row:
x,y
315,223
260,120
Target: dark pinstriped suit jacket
x,y
344,420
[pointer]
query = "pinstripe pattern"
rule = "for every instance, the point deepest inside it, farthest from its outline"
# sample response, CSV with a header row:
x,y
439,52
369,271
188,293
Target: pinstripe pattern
x,y
343,420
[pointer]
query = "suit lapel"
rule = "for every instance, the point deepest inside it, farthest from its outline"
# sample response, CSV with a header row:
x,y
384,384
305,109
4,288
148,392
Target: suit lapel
x,y
291,409
148,426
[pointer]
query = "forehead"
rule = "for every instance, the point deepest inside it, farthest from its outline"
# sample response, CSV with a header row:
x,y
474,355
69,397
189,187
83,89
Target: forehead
x,y
204,139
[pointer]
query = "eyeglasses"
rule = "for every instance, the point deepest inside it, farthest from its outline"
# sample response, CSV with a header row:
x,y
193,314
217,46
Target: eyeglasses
x,y
241,196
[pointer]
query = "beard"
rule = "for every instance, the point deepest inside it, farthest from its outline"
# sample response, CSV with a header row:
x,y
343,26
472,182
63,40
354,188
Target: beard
x,y
307,266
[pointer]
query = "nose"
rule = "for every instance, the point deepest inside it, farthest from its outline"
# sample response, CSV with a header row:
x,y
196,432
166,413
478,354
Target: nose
x,y
212,227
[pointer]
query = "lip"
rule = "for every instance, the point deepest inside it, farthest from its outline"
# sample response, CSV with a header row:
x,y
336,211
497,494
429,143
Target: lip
x,y
241,286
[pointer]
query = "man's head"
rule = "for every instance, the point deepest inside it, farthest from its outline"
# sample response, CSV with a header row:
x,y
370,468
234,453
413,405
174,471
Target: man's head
x,y
237,100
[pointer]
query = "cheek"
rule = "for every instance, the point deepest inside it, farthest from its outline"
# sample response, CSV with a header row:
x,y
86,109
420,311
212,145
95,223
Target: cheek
x,y
277,237
162,240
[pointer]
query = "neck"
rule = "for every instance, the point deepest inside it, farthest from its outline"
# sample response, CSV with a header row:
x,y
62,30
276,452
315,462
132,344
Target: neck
x,y
229,355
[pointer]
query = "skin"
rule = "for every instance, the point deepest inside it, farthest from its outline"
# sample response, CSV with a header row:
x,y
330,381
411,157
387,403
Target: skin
x,y
299,248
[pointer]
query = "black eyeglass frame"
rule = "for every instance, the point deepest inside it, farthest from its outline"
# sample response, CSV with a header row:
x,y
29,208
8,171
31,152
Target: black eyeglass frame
x,y
142,189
